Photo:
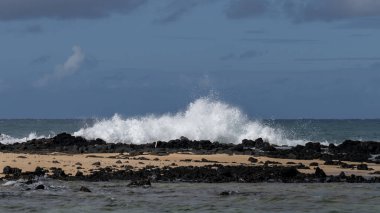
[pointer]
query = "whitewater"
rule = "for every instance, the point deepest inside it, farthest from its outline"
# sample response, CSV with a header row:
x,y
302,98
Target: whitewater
x,y
204,119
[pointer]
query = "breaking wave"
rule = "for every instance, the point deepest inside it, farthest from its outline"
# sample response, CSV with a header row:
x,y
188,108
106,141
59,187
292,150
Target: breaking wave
x,y
204,119
6,139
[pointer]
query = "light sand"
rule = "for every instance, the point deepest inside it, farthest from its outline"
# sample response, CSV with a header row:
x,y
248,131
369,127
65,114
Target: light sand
x,y
28,162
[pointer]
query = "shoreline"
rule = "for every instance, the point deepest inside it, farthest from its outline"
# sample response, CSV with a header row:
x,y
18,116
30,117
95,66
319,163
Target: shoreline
x,y
66,157
110,165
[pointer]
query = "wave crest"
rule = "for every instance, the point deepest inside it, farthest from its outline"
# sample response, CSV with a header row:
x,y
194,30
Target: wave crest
x,y
6,139
204,119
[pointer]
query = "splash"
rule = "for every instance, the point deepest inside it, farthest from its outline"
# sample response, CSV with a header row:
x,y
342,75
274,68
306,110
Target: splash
x,y
6,139
204,119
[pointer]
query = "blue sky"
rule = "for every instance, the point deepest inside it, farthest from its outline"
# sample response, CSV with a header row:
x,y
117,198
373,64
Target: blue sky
x,y
272,58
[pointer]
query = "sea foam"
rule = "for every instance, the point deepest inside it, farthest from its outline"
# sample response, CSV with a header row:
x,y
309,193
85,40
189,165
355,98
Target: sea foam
x,y
6,139
204,119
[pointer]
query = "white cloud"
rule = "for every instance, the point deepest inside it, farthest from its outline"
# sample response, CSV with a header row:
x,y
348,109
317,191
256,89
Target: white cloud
x,y
71,66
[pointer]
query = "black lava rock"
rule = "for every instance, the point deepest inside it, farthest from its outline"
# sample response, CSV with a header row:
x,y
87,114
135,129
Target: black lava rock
x,y
40,187
11,171
84,189
320,173
362,167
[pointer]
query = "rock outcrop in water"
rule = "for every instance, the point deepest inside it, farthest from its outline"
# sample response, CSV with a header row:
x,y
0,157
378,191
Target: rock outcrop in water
x,y
347,151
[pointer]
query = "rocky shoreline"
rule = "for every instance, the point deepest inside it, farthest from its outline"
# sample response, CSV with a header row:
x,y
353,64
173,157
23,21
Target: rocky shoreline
x,y
355,151
208,171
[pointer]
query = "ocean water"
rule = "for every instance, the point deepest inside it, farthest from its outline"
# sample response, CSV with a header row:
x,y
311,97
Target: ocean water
x,y
187,197
203,119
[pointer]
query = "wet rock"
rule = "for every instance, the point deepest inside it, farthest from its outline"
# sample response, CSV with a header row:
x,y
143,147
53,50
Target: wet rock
x,y
11,171
140,183
58,173
84,189
40,171
289,172
40,187
342,175
79,174
28,182
320,173
227,193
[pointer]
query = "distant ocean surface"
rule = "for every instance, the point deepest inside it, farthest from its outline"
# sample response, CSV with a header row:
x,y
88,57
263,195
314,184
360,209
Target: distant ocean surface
x,y
203,119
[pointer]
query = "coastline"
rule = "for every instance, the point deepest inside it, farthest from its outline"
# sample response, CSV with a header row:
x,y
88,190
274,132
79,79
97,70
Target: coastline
x,y
86,163
66,157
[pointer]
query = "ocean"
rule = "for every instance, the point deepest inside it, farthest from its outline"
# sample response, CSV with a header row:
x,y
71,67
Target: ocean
x,y
203,119
115,196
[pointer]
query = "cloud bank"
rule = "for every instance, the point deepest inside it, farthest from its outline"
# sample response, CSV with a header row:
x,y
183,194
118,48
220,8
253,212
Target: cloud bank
x,y
297,10
176,9
64,9
331,10
71,66
304,10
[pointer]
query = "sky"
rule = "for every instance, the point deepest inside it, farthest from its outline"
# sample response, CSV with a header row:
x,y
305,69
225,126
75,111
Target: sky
x,y
271,58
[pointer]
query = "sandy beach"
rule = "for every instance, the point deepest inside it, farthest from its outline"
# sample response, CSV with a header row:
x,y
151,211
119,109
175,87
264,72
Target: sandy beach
x,y
86,163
